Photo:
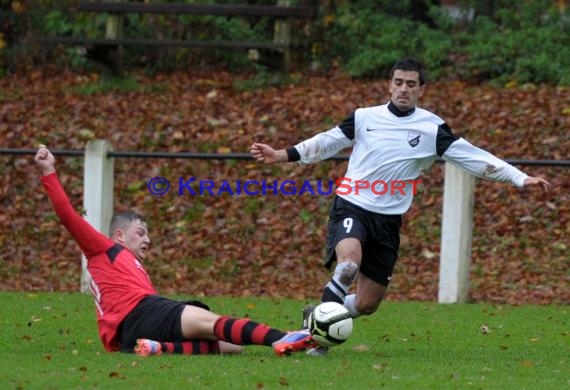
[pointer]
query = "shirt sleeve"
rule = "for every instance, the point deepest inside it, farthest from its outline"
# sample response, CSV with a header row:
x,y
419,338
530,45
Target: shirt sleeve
x,y
89,239
323,145
482,164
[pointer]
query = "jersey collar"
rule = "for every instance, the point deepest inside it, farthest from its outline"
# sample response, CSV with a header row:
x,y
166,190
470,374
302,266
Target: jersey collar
x,y
399,113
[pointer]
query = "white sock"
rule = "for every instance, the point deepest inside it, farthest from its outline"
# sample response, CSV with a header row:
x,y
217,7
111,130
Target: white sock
x,y
350,304
344,275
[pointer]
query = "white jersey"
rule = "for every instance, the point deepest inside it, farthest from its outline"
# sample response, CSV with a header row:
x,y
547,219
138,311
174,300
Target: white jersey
x,y
390,148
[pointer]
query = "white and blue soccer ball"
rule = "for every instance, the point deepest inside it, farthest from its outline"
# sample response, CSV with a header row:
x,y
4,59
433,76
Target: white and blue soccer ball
x,y
330,324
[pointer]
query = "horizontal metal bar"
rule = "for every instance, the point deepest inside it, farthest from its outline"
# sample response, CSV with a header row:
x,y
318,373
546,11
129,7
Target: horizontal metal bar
x,y
552,163
56,152
234,156
181,155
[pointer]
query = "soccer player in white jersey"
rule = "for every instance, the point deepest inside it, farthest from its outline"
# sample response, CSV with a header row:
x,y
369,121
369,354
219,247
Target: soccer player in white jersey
x,y
391,143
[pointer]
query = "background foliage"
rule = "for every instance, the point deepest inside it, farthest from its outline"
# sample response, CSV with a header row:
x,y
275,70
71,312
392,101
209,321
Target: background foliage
x,y
523,41
501,40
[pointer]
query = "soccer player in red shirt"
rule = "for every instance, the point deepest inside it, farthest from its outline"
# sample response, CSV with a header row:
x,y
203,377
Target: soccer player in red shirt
x,y
131,316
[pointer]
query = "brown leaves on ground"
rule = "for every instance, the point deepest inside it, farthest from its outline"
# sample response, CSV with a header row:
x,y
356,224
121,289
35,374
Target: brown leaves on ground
x,y
273,245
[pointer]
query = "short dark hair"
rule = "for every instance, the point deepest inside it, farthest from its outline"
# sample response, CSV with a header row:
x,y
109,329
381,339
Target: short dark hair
x,y
409,64
123,219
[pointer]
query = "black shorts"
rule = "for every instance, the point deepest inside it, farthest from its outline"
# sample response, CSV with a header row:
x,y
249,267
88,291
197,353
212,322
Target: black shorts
x,y
156,318
379,235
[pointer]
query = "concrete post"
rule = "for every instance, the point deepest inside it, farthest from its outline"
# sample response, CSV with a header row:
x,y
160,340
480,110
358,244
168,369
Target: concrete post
x,y
456,233
97,194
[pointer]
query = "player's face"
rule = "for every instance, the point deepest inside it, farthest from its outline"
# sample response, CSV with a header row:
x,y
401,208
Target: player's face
x,y
405,89
136,238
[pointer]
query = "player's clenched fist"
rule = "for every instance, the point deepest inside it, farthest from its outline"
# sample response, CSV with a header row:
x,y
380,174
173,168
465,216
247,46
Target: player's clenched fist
x,y
266,154
45,160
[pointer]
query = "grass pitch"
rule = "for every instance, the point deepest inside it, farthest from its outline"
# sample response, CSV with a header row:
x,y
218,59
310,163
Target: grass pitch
x,y
49,341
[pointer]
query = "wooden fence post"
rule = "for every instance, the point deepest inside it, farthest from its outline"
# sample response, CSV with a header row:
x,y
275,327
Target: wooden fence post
x,y
280,59
456,233
97,194
282,34
114,30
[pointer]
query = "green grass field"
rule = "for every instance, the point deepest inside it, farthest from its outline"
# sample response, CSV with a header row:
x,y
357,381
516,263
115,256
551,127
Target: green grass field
x,y
49,341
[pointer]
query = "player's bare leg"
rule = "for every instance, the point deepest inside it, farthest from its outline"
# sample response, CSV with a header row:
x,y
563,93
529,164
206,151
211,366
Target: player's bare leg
x,y
349,256
369,295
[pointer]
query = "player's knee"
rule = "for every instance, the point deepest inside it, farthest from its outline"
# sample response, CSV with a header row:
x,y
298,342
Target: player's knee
x,y
367,308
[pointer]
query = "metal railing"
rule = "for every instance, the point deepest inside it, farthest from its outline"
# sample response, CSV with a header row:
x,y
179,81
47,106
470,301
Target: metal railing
x,y
235,156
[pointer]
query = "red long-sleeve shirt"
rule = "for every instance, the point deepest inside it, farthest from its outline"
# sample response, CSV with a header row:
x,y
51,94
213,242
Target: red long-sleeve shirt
x,y
118,279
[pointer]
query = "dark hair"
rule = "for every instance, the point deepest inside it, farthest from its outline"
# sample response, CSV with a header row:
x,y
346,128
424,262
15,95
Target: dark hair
x,y
410,64
123,219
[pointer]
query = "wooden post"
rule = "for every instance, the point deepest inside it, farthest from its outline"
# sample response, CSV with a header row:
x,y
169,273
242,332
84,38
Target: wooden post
x,y
282,34
114,30
456,233
97,194
276,59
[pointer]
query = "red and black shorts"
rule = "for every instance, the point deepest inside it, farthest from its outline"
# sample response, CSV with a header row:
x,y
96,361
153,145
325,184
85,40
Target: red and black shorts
x,y
379,235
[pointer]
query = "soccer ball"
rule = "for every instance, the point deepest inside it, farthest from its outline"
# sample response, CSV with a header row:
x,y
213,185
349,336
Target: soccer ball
x,y
330,324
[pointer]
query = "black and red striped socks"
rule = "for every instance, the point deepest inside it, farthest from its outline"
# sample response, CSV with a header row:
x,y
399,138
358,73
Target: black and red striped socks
x,y
196,347
241,331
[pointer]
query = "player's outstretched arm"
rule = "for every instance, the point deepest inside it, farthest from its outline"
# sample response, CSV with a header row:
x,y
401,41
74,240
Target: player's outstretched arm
x,y
537,181
89,239
45,160
266,154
